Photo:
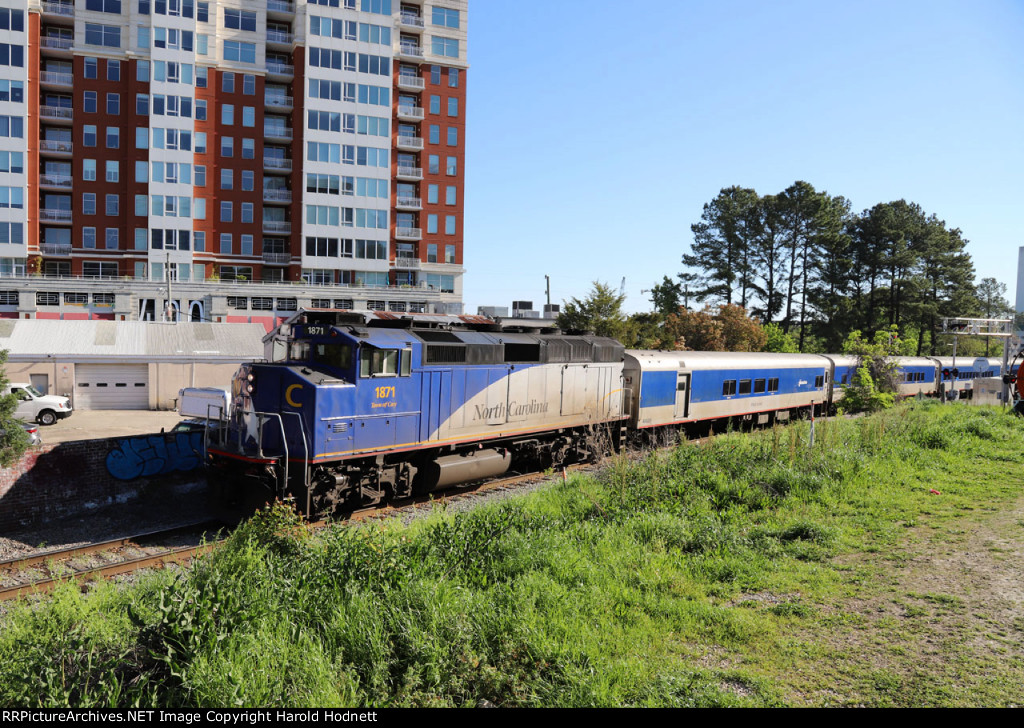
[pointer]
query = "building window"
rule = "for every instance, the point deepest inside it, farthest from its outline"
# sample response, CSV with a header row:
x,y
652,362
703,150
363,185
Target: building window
x,y
113,66
453,136
453,106
453,78
445,17
440,46
449,195
89,102
449,224
88,203
91,64
227,82
112,204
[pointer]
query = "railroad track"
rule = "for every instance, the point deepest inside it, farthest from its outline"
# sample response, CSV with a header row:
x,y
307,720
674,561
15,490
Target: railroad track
x,y
42,573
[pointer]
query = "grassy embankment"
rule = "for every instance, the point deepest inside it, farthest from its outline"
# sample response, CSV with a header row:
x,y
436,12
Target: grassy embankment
x,y
751,571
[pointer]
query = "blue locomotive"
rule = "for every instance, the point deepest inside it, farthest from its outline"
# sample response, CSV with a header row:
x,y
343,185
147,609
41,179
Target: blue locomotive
x,y
351,408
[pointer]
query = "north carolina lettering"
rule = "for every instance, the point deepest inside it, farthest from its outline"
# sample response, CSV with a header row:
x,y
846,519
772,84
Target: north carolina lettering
x,y
513,409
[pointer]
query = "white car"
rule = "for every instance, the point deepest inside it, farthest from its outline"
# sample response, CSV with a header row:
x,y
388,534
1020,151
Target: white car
x,y
34,406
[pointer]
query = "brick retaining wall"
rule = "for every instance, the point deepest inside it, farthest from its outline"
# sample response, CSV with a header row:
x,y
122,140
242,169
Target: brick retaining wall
x,y
72,479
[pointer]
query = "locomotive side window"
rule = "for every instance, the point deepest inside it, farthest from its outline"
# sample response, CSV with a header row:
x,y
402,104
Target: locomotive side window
x,y
338,356
298,351
744,386
759,386
773,384
819,381
378,362
729,387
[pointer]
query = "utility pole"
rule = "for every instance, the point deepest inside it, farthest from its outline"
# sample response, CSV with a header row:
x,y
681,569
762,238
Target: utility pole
x,y
547,279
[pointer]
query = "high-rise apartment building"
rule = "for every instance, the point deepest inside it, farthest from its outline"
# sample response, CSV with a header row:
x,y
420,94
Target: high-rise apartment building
x,y
247,155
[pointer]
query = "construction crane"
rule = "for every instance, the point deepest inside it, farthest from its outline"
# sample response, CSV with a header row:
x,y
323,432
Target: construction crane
x,y
622,288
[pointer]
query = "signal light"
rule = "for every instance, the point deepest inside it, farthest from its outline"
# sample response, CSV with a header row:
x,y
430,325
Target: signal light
x,y
945,373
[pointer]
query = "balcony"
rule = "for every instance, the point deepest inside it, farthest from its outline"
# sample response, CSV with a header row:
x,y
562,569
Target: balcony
x,y
280,7
280,71
410,52
59,45
61,80
55,215
279,37
411,83
56,113
408,203
272,258
409,21
277,226
278,101
409,173
411,113
57,181
55,249
277,195
404,233
410,143
52,146
62,10
407,263
270,164
277,133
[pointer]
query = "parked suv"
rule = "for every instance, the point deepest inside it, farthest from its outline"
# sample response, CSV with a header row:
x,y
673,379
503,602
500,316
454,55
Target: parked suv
x,y
33,405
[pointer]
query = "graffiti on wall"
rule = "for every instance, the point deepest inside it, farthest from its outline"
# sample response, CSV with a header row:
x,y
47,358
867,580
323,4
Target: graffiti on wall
x,y
151,455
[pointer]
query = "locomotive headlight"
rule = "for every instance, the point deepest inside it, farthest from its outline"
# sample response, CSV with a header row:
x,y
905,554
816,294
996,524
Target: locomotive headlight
x,y
250,383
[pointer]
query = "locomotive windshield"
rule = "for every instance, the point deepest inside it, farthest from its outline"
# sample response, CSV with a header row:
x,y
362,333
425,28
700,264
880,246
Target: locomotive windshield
x,y
335,356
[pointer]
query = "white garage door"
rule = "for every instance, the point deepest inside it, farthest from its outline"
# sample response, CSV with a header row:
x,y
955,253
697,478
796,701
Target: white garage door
x,y
111,386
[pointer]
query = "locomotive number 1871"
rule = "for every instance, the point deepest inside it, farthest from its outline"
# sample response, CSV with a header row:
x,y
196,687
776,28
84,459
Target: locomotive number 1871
x,y
385,392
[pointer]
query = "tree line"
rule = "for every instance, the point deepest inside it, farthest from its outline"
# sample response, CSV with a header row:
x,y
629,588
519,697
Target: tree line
x,y
809,272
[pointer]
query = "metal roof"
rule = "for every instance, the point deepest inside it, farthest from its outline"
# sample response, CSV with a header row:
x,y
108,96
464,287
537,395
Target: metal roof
x,y
30,339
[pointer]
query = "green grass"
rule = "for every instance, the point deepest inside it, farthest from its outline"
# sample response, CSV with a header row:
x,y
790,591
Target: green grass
x,y
752,571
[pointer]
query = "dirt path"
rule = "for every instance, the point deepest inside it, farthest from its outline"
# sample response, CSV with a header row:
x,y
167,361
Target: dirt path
x,y
941,623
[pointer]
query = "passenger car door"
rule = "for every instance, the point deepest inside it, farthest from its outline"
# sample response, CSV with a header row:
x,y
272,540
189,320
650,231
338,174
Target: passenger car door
x,y
682,408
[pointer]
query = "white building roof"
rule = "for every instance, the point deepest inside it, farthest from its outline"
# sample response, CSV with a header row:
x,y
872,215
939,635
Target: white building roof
x,y
31,339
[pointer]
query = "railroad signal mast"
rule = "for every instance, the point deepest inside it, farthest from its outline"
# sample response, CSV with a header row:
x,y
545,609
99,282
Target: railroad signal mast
x,y
999,328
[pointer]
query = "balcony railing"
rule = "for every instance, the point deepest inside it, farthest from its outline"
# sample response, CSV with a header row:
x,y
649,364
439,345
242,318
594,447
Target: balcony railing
x,y
404,233
415,113
408,81
277,195
410,142
55,180
407,263
277,258
56,112
280,6
278,101
277,226
65,9
281,165
409,203
55,215
277,132
410,21
278,36
280,69
56,79
56,44
407,49
409,172
54,249
51,145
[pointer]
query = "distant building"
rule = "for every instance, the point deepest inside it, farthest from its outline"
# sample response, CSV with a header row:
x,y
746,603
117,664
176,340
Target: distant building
x,y
260,155
523,310
1020,280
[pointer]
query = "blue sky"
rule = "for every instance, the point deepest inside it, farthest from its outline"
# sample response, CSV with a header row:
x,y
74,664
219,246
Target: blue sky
x,y
598,130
